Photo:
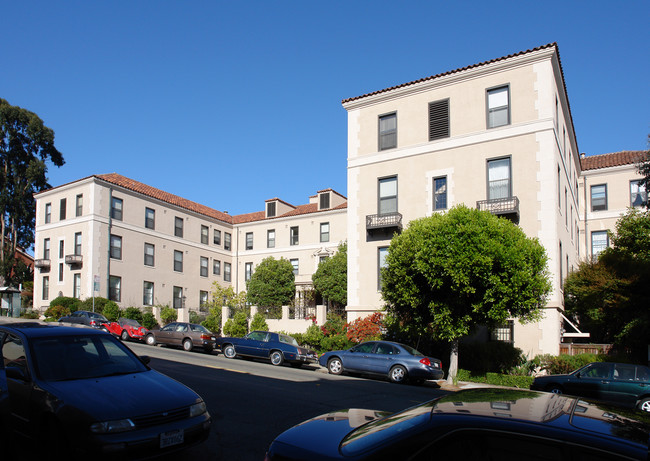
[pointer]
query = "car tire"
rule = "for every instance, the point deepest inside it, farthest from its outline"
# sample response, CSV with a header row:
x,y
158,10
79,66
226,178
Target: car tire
x,y
397,374
124,336
334,366
644,404
187,345
150,340
277,358
554,389
229,351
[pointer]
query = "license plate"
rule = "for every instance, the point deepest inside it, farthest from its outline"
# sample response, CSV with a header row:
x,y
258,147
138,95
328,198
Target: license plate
x,y
170,438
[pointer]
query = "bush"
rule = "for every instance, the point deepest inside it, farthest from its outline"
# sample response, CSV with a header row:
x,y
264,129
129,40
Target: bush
x,y
236,326
72,304
111,310
336,342
365,329
562,364
496,379
99,304
213,321
313,337
168,315
493,356
197,317
149,321
259,323
55,312
133,313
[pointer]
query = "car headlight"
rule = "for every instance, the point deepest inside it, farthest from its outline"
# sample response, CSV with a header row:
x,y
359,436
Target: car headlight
x,y
198,409
111,427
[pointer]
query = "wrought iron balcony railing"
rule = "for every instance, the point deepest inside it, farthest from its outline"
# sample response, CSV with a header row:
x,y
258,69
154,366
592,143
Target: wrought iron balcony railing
x,y
501,206
73,259
384,221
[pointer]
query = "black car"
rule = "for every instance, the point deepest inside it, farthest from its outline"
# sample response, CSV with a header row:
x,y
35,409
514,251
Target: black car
x,y
618,383
276,347
91,319
474,424
80,392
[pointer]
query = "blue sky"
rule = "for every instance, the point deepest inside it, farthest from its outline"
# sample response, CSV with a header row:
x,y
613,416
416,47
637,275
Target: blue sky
x,y
232,103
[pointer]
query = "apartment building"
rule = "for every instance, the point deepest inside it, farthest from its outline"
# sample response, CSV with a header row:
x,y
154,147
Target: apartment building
x,y
111,236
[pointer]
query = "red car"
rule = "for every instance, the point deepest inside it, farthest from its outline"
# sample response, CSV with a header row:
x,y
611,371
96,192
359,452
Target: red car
x,y
126,329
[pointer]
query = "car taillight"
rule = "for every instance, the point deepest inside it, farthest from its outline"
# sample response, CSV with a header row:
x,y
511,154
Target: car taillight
x,y
426,361
206,337
93,323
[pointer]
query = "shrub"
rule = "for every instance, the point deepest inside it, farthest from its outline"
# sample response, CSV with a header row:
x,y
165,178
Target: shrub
x,y
168,315
313,337
236,326
133,313
196,317
72,304
30,314
213,321
335,325
496,379
565,363
493,356
55,312
365,329
336,342
149,321
98,305
259,323
111,310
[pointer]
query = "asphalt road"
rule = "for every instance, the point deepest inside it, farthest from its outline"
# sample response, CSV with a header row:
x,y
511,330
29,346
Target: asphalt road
x,y
251,402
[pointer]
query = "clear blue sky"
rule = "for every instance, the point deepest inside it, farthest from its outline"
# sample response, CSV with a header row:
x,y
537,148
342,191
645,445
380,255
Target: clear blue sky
x,y
230,103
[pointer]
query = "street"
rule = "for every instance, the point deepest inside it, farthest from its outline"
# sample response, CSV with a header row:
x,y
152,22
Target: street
x,y
251,402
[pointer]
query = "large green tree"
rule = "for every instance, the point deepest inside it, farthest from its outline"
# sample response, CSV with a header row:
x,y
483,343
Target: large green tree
x,y
447,273
272,284
331,277
26,147
609,296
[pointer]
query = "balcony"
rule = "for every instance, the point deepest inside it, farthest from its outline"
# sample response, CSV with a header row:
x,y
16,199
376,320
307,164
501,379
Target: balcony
x,y
384,222
42,263
74,260
505,207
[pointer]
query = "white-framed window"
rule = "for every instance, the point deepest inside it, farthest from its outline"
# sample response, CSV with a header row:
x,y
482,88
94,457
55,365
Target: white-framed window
x,y
294,235
599,241
204,266
498,106
149,218
387,195
599,197
116,208
79,205
48,213
46,288
440,193
499,184
178,261
270,238
46,248
76,286
324,232
147,293
249,240
388,131
226,272
205,232
296,265
638,194
178,226
248,271
217,237
216,267
149,254
226,240
116,247
77,244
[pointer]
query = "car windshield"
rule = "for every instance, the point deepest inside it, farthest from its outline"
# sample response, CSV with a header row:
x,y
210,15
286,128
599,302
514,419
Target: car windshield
x,y
63,358
288,340
129,322
381,430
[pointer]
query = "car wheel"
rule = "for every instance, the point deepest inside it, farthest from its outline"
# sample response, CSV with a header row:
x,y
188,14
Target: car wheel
x,y
554,389
125,335
150,340
229,351
277,358
397,374
187,345
334,366
644,405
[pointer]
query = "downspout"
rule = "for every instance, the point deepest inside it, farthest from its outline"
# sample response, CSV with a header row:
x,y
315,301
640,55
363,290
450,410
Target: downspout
x,y
108,253
584,185
237,263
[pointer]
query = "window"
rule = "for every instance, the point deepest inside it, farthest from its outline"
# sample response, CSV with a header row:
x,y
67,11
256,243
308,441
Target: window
x,y
147,294
178,297
381,263
79,206
295,263
149,253
498,106
114,289
270,210
387,131
76,286
638,194
324,201
116,208
46,249
60,272
204,267
599,197
178,261
561,268
226,272
439,119
324,232
226,241
149,218
46,288
178,227
61,249
77,244
270,238
440,193
217,237
499,179
62,209
293,235
504,332
216,267
248,271
203,298
116,247
249,240
387,195
48,213
599,241
205,232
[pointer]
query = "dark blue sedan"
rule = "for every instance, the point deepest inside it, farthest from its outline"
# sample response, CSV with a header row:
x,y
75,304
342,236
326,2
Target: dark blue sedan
x,y
81,392
397,361
276,347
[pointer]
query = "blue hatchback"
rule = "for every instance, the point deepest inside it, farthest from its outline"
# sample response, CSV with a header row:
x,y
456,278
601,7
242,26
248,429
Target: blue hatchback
x,y
397,361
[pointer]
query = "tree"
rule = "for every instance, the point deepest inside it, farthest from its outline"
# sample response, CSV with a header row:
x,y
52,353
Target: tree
x,y
26,146
272,284
643,167
609,297
447,273
331,277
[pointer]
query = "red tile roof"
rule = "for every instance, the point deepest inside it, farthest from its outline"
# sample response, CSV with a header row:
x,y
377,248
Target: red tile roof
x,y
626,157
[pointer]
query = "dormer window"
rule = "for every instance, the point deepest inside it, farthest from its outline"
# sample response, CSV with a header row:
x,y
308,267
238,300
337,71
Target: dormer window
x,y
270,209
324,202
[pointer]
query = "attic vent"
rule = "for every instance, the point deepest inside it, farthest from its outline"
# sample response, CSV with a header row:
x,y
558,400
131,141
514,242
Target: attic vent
x,y
270,210
324,201
439,119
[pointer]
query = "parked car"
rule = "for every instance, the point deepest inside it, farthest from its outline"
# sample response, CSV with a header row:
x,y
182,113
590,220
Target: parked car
x,y
476,424
126,329
79,392
398,362
91,319
618,383
186,335
276,347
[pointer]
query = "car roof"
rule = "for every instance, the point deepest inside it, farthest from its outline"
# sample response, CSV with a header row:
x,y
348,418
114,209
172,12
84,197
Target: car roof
x,y
39,329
